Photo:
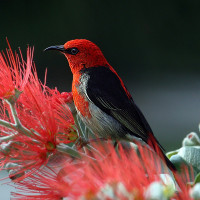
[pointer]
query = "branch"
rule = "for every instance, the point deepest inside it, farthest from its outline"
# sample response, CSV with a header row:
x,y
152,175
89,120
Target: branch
x,y
18,126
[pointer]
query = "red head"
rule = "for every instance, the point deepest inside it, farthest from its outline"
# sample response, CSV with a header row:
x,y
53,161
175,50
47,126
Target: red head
x,y
81,53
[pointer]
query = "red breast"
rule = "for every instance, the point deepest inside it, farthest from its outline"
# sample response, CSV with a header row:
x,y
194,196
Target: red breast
x,y
80,101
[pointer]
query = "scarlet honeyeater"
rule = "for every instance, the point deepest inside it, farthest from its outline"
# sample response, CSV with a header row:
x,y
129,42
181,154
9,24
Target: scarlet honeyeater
x,y
101,98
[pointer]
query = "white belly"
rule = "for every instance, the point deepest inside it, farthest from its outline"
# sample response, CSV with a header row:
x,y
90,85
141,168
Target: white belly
x,y
102,124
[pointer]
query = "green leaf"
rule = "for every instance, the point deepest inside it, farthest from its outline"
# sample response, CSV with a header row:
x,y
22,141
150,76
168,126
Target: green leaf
x,y
171,153
197,178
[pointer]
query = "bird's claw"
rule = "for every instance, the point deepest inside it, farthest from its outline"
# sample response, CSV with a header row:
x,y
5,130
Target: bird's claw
x,y
81,142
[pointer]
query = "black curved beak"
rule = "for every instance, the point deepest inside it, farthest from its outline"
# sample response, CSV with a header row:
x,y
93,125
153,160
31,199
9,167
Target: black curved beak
x,y
58,48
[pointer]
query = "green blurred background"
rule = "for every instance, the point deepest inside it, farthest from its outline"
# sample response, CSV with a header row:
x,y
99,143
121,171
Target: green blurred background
x,y
153,45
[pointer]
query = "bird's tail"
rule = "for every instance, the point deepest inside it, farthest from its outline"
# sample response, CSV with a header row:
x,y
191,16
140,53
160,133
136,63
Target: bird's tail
x,y
153,143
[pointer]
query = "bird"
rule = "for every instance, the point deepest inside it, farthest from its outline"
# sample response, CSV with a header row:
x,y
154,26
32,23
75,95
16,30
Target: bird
x,y
101,98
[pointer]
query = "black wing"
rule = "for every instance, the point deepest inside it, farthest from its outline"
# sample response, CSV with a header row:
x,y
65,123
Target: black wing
x,y
105,90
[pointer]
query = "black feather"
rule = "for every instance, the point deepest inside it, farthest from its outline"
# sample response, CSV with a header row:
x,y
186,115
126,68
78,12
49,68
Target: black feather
x,y
106,91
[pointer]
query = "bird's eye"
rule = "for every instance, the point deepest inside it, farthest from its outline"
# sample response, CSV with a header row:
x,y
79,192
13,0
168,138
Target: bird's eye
x,y
74,51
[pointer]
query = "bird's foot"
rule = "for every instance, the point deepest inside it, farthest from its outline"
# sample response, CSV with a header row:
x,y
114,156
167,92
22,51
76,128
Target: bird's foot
x,y
81,142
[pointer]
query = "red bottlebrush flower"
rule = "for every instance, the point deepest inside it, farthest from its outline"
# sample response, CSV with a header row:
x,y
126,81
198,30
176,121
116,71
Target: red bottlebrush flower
x,y
122,175
32,120
41,185
14,73
117,175
133,171
49,114
64,97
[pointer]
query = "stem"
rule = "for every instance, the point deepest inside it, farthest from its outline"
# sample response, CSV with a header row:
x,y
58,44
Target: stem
x,y
7,124
17,124
86,132
98,152
80,127
69,150
85,135
6,138
79,131
77,124
14,112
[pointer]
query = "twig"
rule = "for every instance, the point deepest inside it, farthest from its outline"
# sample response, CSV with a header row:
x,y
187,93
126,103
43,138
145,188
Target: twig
x,y
69,150
17,126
